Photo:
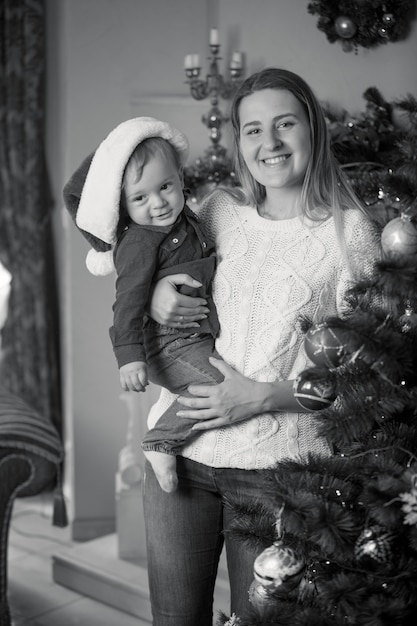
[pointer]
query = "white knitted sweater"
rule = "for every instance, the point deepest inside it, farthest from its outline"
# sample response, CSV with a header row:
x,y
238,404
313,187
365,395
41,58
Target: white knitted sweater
x,y
269,273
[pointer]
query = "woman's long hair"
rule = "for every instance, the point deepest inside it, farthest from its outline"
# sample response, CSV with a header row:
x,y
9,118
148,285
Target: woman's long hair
x,y
325,188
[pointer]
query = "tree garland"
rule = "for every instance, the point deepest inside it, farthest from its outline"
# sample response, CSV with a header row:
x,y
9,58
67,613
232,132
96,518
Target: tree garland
x,y
366,23
378,151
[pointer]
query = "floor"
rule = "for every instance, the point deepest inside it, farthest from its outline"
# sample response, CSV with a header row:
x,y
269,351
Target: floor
x,y
34,599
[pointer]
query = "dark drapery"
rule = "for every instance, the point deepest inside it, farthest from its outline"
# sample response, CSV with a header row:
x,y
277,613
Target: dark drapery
x,y
30,338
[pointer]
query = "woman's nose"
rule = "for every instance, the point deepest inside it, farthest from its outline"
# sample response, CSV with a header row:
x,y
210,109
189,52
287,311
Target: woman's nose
x,y
272,139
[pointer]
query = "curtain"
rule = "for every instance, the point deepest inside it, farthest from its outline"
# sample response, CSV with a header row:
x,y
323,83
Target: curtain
x,y
30,337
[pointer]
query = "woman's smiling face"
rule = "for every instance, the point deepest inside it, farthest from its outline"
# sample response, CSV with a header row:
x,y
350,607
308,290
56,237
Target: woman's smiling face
x,y
275,138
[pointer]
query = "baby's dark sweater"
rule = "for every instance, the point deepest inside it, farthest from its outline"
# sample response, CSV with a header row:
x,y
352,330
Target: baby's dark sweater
x,y
143,255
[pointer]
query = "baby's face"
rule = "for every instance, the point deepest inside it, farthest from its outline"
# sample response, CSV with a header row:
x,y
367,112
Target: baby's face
x,y
157,198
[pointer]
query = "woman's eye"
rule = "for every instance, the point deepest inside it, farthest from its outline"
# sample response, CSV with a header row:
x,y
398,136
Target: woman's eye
x,y
253,131
285,125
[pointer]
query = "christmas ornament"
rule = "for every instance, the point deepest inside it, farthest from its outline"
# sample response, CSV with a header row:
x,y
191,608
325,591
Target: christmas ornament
x,y
345,27
399,237
362,22
388,19
312,395
325,346
259,596
275,564
374,544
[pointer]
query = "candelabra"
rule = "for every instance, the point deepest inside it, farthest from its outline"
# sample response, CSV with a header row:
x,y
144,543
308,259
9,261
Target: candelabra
x,y
215,166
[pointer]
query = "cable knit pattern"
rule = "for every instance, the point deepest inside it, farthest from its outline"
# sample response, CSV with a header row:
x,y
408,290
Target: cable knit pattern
x,y
268,274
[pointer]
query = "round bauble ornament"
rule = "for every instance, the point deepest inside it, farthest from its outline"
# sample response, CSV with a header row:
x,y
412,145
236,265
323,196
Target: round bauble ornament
x,y
325,346
383,32
388,19
275,564
259,597
374,545
345,27
399,237
313,395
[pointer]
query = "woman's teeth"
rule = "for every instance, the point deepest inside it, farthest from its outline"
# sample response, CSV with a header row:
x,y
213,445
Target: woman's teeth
x,y
275,160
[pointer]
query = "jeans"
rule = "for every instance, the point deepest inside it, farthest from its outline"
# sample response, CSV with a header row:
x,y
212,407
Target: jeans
x,y
174,362
185,537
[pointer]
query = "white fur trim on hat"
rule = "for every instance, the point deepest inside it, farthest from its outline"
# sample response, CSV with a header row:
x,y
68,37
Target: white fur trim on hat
x,y
100,263
98,210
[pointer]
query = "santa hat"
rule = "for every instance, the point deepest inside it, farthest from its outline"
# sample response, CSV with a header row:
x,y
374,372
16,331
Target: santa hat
x,y
92,194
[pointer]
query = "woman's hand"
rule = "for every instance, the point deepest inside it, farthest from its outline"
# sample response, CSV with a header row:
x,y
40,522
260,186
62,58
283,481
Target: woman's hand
x,y
169,307
235,399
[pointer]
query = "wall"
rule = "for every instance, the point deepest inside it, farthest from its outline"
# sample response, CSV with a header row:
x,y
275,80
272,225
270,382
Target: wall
x,y
105,60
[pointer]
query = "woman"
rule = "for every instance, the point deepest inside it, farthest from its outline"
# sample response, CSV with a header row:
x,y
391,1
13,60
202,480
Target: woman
x,y
289,243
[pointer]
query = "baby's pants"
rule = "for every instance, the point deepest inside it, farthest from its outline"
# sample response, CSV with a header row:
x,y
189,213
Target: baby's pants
x,y
176,361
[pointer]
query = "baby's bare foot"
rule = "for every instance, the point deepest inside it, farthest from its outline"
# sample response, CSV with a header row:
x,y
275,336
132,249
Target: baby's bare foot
x,y
164,466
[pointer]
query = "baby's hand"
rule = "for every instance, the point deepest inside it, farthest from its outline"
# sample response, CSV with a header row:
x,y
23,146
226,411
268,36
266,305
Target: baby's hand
x,y
134,376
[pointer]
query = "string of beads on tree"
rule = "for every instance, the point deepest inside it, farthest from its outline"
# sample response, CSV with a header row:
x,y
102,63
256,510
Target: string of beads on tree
x,y
366,23
378,151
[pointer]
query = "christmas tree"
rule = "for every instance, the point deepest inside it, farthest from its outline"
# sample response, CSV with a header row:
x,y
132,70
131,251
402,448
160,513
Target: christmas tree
x,y
337,537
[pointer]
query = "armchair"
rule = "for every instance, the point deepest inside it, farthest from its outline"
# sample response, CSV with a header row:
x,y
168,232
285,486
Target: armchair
x,y
30,459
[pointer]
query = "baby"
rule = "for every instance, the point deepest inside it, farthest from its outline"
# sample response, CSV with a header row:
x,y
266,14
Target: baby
x,y
128,200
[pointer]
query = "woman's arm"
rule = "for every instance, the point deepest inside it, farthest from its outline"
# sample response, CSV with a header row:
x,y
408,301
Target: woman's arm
x,y
169,307
235,399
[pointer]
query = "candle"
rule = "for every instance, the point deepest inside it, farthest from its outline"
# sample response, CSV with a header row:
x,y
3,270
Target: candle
x,y
196,60
236,60
214,37
188,62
